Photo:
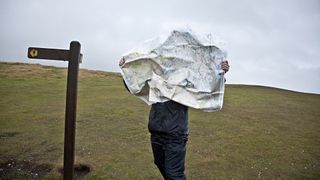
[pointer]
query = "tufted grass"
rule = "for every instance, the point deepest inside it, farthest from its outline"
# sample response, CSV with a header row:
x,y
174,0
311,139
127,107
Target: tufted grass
x,y
261,132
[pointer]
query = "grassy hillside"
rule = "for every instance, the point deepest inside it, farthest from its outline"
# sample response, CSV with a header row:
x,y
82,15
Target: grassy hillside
x,y
261,132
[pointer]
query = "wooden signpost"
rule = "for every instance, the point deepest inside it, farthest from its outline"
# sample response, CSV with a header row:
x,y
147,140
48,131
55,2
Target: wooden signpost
x,y
73,57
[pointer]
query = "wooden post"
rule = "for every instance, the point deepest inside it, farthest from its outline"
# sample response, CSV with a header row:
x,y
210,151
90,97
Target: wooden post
x,y
71,109
73,57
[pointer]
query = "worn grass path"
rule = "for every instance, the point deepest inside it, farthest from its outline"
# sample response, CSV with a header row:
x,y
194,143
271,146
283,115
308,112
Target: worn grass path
x,y
261,132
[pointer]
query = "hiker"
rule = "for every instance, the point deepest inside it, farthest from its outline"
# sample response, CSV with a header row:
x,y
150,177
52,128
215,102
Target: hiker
x,y
168,126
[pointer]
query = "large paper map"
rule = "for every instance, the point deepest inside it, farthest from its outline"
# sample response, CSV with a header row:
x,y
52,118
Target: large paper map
x,y
182,68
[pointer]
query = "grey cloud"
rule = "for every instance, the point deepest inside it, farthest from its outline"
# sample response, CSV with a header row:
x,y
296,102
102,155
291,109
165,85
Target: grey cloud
x,y
269,42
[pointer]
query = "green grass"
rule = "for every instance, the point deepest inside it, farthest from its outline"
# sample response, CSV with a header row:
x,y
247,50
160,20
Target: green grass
x,y
261,132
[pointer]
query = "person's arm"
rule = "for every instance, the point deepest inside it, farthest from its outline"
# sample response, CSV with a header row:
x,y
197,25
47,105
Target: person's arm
x,y
225,66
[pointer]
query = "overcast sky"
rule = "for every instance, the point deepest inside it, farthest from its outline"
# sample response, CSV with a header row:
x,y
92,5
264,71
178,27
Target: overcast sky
x,y
269,42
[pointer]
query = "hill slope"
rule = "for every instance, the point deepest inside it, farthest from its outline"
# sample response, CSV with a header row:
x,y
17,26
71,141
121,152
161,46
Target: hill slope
x,y
260,133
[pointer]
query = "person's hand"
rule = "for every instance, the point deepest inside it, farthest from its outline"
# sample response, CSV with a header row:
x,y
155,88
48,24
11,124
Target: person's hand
x,y
122,61
225,66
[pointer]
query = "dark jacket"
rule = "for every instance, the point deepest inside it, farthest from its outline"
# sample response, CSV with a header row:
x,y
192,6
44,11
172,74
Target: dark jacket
x,y
168,118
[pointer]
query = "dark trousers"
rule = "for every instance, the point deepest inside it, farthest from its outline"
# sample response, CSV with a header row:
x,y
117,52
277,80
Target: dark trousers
x,y
169,156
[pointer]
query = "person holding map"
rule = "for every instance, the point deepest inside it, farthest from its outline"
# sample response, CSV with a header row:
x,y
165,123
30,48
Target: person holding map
x,y
159,77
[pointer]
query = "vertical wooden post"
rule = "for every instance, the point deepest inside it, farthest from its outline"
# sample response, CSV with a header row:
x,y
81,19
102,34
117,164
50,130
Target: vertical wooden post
x,y
71,108
73,57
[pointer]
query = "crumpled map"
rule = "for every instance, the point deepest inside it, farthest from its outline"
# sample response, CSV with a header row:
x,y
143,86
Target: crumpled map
x,y
181,68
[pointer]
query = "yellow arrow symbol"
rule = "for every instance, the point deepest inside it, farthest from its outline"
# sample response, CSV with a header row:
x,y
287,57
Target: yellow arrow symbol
x,y
33,53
